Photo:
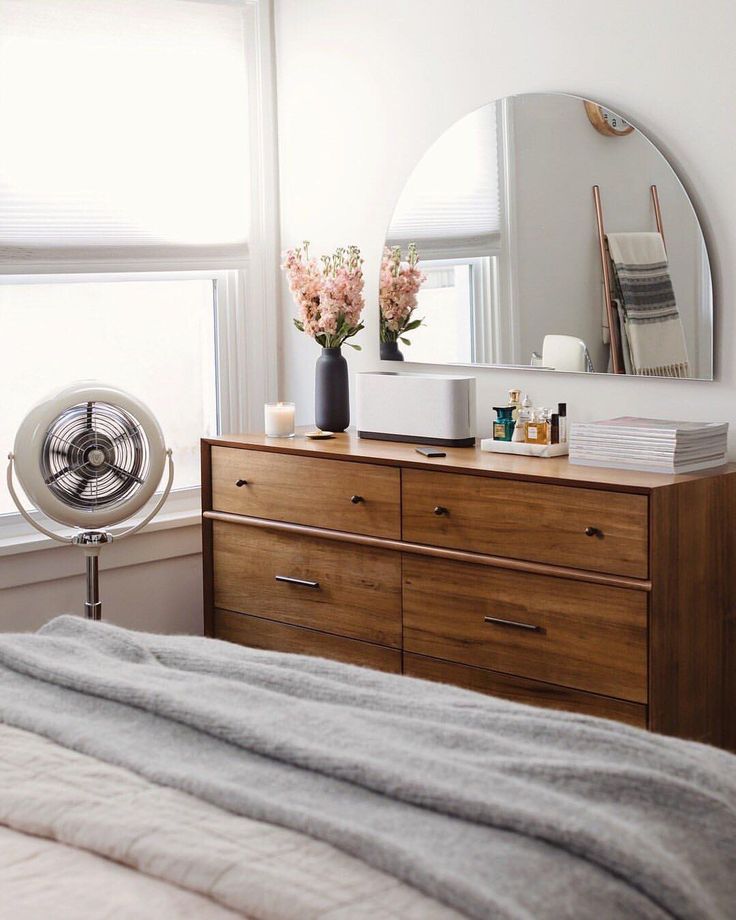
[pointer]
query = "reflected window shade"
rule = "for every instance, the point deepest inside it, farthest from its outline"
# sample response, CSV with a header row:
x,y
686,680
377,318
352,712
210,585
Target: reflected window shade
x,y
125,127
452,197
437,277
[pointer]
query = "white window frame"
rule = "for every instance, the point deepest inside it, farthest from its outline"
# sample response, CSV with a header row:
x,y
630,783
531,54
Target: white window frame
x,y
508,334
484,304
246,286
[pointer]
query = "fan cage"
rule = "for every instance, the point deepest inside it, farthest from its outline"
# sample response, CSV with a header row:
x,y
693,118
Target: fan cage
x,y
95,456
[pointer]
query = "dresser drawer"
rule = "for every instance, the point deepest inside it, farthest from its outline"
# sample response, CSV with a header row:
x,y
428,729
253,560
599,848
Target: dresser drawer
x,y
279,637
336,587
523,690
589,637
357,497
559,525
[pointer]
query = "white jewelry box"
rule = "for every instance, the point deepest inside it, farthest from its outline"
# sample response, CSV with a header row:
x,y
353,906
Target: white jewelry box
x,y
433,409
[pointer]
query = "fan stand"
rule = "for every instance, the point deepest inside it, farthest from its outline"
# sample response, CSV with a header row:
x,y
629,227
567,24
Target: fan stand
x,y
92,542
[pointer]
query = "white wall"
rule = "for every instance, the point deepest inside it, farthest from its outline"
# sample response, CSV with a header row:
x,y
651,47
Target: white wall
x,y
364,87
152,582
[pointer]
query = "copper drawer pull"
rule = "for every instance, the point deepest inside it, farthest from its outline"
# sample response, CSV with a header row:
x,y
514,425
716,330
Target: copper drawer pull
x,y
593,532
357,499
440,510
301,582
241,482
500,622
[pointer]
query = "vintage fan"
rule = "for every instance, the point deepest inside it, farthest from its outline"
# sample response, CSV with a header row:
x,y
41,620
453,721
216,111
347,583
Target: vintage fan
x,y
89,457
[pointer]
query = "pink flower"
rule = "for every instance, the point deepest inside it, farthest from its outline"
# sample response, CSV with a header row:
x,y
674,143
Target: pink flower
x,y
330,296
398,288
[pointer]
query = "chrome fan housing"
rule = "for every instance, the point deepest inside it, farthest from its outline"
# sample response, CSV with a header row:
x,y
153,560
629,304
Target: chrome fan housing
x,y
90,456
95,455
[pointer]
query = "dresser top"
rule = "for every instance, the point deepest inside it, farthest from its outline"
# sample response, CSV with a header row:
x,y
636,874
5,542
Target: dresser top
x,y
471,460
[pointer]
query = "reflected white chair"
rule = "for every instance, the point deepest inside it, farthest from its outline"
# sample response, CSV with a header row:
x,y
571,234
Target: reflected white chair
x,y
565,353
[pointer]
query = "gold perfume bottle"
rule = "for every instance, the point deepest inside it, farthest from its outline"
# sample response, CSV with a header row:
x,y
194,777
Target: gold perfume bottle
x,y
538,428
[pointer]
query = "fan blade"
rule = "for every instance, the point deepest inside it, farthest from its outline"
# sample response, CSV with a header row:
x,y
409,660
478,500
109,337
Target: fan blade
x,y
124,474
130,433
68,469
81,486
61,451
57,437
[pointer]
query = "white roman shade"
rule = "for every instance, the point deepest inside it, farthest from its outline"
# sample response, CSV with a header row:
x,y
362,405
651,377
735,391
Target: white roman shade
x,y
124,128
451,200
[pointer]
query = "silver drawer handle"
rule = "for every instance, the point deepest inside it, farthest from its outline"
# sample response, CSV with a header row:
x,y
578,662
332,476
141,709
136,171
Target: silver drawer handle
x,y
441,511
241,482
500,622
302,582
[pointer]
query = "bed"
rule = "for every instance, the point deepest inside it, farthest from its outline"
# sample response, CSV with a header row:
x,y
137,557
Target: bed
x,y
164,776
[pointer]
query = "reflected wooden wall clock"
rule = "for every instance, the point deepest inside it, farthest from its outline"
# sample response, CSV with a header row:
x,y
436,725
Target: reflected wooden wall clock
x,y
607,122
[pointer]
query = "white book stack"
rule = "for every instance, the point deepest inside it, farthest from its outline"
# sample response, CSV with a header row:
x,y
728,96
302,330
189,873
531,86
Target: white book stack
x,y
649,444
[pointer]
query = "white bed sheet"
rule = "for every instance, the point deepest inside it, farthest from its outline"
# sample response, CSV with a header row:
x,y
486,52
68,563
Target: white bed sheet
x,y
102,838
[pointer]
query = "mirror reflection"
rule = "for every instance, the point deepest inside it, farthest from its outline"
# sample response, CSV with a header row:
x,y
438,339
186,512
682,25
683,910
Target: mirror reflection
x,y
544,230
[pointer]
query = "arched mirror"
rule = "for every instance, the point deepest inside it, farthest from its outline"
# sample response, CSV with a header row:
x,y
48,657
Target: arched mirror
x,y
544,230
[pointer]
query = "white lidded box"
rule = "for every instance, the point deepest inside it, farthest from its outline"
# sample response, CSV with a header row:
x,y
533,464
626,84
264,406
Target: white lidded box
x,y
434,409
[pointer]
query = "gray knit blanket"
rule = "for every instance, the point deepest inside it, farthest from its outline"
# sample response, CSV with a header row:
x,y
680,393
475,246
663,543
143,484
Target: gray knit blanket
x,y
497,809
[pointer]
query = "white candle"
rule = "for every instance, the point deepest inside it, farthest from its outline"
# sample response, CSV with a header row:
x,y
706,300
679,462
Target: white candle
x,y
279,419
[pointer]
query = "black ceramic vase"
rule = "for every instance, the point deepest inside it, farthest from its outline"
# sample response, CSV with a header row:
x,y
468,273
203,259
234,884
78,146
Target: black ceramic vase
x,y
331,393
389,351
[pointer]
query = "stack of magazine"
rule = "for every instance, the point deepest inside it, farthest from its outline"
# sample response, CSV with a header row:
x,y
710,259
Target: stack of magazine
x,y
649,444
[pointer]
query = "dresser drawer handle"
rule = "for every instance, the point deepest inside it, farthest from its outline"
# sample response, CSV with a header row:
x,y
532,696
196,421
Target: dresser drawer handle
x,y
593,532
440,510
514,623
302,582
241,482
357,499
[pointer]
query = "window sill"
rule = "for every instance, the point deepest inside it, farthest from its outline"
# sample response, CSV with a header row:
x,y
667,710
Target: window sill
x,y
32,542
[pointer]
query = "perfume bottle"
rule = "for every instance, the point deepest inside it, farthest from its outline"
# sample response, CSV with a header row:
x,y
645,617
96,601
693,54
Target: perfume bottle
x,y
562,412
525,415
537,430
554,430
503,427
515,402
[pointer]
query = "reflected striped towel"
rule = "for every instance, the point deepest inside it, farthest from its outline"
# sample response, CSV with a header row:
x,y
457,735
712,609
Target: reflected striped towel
x,y
651,320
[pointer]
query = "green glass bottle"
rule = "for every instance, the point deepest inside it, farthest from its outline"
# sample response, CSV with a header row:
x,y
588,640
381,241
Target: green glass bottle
x,y
503,427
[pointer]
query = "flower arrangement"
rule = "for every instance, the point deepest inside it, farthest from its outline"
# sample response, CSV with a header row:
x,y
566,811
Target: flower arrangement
x,y
399,286
329,296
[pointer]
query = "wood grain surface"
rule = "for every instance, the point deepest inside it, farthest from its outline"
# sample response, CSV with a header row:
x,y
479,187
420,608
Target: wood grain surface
x,y
588,637
528,520
324,493
358,593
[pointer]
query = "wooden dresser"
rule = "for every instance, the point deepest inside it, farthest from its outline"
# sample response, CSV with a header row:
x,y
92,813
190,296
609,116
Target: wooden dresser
x,y
598,591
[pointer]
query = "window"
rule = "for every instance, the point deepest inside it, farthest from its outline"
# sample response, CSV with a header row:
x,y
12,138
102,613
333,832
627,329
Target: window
x,y
125,124
138,242
155,338
458,303
455,207
450,203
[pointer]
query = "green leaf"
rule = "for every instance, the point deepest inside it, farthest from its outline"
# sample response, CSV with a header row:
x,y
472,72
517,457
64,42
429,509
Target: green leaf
x,y
405,340
413,325
353,345
299,325
354,331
